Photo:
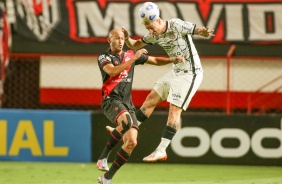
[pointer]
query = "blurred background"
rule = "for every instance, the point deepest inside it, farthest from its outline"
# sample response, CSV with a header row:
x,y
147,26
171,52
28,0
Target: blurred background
x,y
50,80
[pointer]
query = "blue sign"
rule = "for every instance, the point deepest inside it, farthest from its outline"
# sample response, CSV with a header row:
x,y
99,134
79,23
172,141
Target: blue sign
x,y
45,135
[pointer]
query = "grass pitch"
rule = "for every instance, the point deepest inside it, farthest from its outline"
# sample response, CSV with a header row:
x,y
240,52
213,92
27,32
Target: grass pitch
x,y
145,173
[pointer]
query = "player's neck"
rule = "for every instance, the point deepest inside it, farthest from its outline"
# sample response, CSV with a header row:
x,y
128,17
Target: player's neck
x,y
117,52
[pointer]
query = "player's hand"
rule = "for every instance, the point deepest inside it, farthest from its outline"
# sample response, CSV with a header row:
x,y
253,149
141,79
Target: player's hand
x,y
179,59
206,32
139,53
125,32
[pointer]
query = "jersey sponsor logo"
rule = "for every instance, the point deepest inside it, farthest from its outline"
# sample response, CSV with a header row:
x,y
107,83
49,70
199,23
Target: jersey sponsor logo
x,y
127,56
176,96
123,74
124,80
126,59
122,77
127,80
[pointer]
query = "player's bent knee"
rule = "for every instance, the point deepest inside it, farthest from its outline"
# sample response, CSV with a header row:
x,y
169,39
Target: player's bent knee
x,y
131,144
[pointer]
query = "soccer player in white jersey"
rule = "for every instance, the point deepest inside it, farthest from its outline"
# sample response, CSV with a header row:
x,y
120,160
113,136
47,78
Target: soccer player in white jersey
x,y
181,83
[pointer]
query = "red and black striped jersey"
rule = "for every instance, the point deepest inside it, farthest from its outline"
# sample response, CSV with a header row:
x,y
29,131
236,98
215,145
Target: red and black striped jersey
x,y
119,86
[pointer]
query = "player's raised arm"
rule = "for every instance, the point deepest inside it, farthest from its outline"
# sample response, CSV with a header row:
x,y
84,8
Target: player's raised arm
x,y
132,43
112,70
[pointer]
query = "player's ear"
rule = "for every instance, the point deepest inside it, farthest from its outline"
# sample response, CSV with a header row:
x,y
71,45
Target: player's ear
x,y
109,38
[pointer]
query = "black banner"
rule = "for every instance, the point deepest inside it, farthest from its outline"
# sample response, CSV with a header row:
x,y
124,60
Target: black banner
x,y
81,27
205,139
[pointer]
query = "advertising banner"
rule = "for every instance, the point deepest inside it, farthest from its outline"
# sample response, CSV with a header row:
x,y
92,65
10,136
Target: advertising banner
x,y
205,139
82,27
43,135
236,139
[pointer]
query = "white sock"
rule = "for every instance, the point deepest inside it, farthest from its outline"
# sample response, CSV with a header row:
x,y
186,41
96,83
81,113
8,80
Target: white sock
x,y
163,144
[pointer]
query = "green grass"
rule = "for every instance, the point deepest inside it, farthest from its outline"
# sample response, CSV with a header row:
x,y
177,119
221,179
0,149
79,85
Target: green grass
x,y
81,173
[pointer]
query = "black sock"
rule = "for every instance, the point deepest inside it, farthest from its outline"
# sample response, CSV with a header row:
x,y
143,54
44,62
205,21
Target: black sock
x,y
169,132
113,140
120,159
141,117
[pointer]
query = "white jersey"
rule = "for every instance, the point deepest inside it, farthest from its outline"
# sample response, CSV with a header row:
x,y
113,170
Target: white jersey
x,y
179,85
177,41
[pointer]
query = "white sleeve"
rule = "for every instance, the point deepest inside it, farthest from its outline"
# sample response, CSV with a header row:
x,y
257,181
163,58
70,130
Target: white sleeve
x,y
184,27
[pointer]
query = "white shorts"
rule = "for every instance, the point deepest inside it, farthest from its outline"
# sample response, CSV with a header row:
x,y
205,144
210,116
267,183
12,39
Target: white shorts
x,y
179,88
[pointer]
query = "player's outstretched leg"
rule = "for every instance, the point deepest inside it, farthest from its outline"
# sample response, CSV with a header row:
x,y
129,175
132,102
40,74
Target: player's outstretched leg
x,y
102,180
160,152
157,155
102,164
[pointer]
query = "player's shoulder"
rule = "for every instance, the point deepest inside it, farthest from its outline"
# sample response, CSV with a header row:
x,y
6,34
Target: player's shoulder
x,y
175,20
105,56
102,56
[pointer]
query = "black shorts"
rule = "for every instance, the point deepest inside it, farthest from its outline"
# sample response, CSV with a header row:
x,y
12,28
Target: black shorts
x,y
112,108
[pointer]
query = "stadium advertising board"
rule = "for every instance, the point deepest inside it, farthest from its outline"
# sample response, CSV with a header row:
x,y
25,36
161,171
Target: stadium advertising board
x,y
208,139
82,26
41,135
238,139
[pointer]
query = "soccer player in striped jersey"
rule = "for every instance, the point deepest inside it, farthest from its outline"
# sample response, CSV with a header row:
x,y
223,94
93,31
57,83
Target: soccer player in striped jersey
x,y
117,69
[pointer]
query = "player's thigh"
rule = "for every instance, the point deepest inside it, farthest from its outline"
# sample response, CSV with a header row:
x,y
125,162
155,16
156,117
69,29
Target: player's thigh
x,y
133,117
183,88
113,108
127,117
130,114
162,86
152,99
126,121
